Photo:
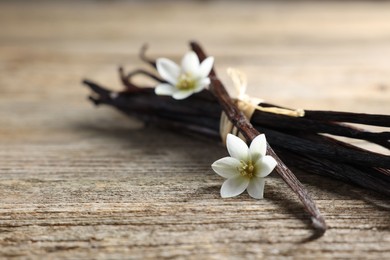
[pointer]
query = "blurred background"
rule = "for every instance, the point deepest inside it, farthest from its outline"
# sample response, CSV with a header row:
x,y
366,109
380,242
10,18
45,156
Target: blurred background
x,y
306,54
322,48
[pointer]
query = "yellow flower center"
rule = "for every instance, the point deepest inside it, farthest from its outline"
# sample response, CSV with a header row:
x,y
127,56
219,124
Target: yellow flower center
x,y
186,82
247,169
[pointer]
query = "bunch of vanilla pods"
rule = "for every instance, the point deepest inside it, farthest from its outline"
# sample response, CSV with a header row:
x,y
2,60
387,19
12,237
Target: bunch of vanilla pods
x,y
299,141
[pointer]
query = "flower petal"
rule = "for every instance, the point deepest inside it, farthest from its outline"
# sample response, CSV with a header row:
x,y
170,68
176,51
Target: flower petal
x,y
201,85
182,94
234,186
164,89
226,167
237,148
199,88
190,63
206,66
258,147
265,166
204,82
256,188
168,70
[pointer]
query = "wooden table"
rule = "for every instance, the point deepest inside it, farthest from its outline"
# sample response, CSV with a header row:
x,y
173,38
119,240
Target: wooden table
x,y
80,182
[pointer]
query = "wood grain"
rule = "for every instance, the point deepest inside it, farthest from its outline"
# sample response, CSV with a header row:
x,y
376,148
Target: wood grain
x,y
80,182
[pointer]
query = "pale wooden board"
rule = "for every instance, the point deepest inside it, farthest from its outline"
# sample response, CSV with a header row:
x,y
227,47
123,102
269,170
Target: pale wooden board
x,y
80,182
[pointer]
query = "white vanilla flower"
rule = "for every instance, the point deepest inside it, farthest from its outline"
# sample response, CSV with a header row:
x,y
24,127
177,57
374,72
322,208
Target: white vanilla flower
x,y
191,77
246,168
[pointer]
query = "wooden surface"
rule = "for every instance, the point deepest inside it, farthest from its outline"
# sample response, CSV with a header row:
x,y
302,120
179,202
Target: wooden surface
x,y
79,182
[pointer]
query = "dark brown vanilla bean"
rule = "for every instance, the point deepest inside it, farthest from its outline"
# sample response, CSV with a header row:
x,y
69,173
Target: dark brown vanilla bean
x,y
357,118
337,116
142,55
206,112
244,126
344,172
304,124
327,150
142,72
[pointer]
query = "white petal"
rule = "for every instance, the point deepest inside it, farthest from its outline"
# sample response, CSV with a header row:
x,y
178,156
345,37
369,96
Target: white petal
x,y
226,167
265,166
199,88
256,188
190,63
258,147
182,94
164,89
234,186
206,66
204,82
168,70
237,148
